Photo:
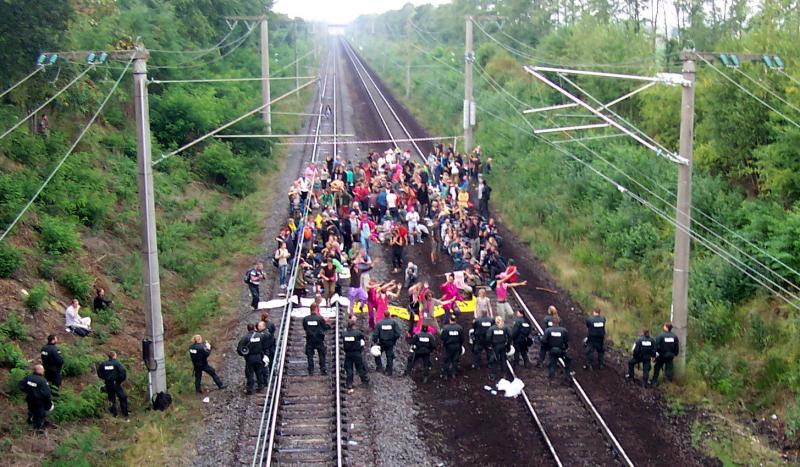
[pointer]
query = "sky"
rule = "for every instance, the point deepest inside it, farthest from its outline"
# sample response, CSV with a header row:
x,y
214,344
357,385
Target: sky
x,y
342,11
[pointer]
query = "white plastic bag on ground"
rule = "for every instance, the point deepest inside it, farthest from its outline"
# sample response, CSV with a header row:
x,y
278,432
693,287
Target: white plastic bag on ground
x,y
511,388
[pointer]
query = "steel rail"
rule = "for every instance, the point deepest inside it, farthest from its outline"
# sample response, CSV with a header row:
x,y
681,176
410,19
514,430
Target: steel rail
x,y
383,97
265,439
580,391
339,311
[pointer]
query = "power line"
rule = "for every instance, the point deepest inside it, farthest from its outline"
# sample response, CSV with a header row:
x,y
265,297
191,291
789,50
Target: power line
x,y
37,70
224,80
74,80
69,151
766,88
199,51
747,91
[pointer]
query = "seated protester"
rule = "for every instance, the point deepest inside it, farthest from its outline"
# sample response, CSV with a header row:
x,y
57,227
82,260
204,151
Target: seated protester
x,y
81,326
100,301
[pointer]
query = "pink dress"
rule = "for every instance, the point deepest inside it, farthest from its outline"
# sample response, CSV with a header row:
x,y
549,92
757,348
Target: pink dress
x,y
372,304
382,306
449,290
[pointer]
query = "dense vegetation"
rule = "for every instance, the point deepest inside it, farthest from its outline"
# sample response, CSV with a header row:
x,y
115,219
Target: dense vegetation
x,y
83,233
607,248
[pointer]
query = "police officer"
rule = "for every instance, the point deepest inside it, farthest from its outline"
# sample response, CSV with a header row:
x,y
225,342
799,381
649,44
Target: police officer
x,y
499,338
315,327
354,342
251,348
199,352
644,350
452,341
38,397
53,361
557,340
386,333
421,347
267,347
271,328
521,338
113,374
552,312
667,347
480,341
596,334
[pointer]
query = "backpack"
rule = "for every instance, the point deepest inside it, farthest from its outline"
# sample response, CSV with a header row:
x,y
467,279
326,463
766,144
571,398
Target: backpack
x,y
246,277
307,232
162,401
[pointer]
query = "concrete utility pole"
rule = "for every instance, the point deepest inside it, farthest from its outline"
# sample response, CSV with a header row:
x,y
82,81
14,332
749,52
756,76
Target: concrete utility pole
x,y
264,46
296,63
683,216
154,323
469,103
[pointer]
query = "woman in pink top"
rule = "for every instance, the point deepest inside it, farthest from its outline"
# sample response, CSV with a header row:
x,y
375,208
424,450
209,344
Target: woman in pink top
x,y
450,294
503,307
382,299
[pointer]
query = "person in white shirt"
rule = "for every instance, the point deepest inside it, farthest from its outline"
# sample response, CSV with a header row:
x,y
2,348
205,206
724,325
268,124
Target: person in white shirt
x,y
391,203
73,318
390,158
412,219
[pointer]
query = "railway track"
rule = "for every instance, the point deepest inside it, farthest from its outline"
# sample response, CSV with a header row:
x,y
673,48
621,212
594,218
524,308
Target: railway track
x,y
570,426
301,415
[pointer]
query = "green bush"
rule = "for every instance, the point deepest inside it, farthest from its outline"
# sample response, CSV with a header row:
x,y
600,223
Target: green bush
x,y
14,377
203,305
36,297
72,406
59,235
233,173
78,450
11,356
761,334
13,328
108,319
10,260
793,420
78,359
77,281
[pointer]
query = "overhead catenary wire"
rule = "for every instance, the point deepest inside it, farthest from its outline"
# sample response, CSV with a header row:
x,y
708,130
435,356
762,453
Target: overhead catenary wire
x,y
791,78
747,91
30,75
213,48
51,99
68,153
767,89
224,80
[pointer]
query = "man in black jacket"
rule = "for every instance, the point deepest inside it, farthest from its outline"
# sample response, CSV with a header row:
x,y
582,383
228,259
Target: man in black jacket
x,y
113,374
421,347
353,343
386,333
595,339
643,352
452,341
315,327
521,337
667,347
53,361
251,348
199,352
38,397
556,338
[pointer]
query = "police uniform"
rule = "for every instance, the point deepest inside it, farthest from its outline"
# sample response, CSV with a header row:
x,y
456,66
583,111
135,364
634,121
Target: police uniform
x,y
421,345
643,351
667,347
521,338
480,342
39,399
199,353
548,321
452,341
113,374
53,361
386,333
354,342
557,340
596,326
315,327
250,347
500,341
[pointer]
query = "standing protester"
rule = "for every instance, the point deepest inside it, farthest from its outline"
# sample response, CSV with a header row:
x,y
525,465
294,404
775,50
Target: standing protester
x,y
521,338
557,340
282,256
315,327
596,333
480,339
644,350
329,278
500,340
484,193
353,344
397,242
667,348
199,352
421,347
452,338
53,361
38,396
503,284
251,348
113,374
386,333
253,278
